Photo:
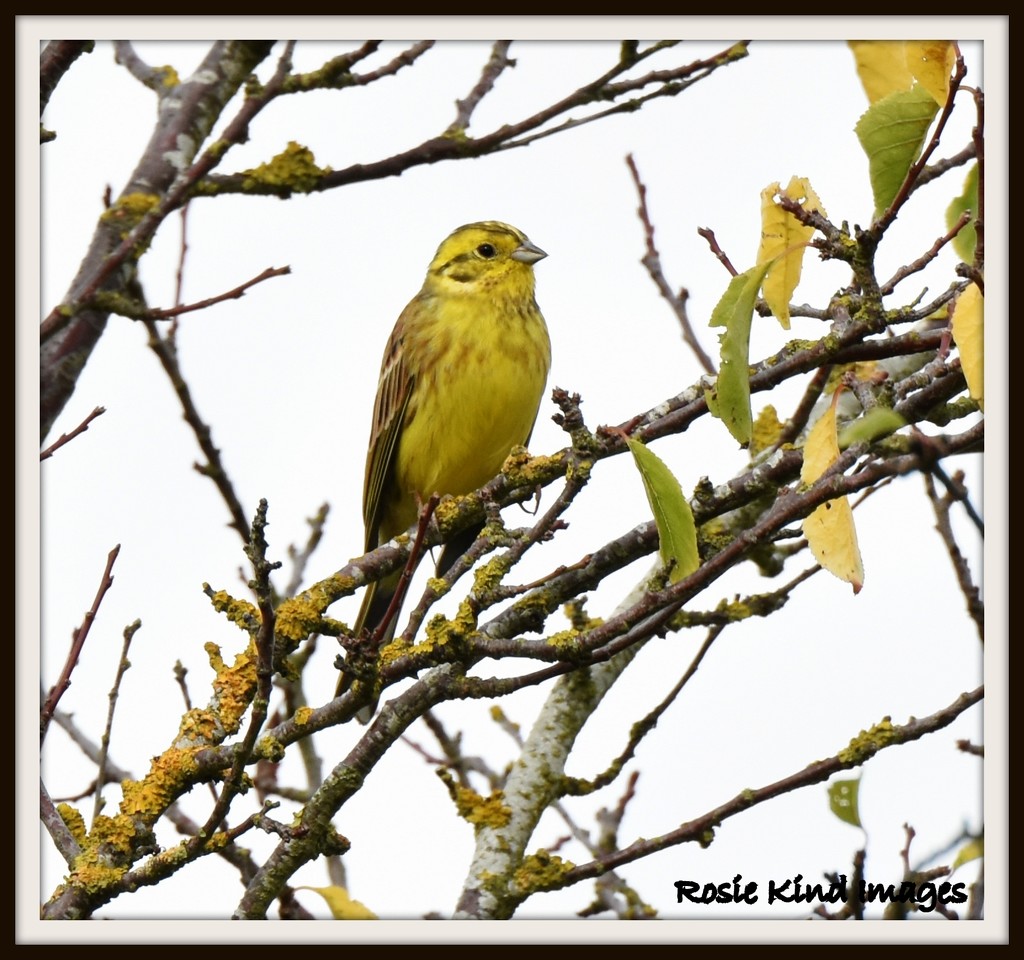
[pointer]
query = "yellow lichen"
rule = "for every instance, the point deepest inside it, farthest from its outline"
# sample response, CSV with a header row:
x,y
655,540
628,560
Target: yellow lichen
x,y
448,512
93,874
488,576
868,742
541,871
489,811
296,618
270,748
234,688
130,209
167,76
391,651
567,642
73,820
198,726
168,774
294,168
438,585
240,612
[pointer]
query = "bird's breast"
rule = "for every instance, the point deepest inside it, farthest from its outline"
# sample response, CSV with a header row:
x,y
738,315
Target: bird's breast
x,y
478,389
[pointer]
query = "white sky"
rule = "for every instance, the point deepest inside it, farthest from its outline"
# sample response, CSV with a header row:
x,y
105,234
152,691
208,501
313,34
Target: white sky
x,y
286,378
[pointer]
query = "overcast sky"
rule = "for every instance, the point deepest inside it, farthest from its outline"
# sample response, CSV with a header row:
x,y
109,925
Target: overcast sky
x,y
286,378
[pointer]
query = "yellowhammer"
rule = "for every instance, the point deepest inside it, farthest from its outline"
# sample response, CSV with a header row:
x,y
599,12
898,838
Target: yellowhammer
x,y
460,385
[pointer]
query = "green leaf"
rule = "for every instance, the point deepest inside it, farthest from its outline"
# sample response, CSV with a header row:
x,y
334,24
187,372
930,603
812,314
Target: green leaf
x,y
842,799
966,240
729,398
877,422
892,132
677,532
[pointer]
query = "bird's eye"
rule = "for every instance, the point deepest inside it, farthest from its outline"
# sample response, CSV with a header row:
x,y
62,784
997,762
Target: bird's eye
x,y
486,251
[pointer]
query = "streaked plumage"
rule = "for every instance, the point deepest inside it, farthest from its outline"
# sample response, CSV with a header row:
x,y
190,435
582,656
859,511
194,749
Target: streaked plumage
x,y
460,385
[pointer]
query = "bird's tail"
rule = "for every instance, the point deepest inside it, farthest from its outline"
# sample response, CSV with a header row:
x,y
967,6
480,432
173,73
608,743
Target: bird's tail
x,y
377,601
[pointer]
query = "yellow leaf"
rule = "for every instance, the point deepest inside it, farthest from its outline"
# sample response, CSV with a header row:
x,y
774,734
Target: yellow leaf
x,y
766,431
882,67
969,851
341,905
931,63
829,530
783,243
969,334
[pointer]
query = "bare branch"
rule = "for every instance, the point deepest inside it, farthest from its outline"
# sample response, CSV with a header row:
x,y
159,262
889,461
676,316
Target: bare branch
x,y
122,666
921,262
652,261
941,505
55,60
709,235
511,135
165,350
66,437
78,638
67,846
817,772
71,330
235,294
493,69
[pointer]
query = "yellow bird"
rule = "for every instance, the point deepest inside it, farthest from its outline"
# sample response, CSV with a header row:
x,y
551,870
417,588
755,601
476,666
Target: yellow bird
x,y
460,385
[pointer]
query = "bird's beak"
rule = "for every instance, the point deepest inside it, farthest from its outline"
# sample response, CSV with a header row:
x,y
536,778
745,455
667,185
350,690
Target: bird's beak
x,y
528,252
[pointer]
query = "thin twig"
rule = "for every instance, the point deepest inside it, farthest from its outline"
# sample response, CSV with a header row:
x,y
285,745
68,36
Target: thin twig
x,y
66,437
978,136
166,352
336,72
970,591
405,59
301,557
709,235
816,772
236,294
495,66
652,261
921,262
67,846
796,423
179,277
78,638
122,665
518,133
183,184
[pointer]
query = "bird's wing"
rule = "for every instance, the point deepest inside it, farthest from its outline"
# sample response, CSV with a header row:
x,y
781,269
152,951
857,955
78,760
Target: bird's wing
x,y
393,392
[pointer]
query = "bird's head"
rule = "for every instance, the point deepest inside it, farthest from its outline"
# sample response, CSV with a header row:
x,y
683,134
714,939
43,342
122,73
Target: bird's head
x,y
480,257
